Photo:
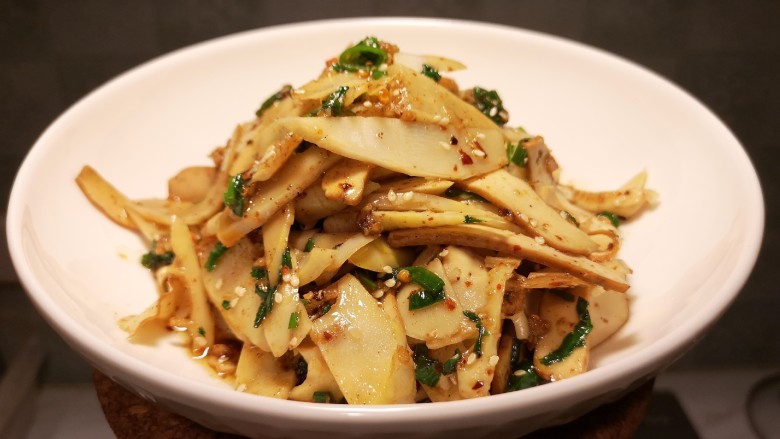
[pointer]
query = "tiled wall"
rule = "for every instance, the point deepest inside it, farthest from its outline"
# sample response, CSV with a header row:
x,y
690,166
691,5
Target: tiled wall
x,y
724,52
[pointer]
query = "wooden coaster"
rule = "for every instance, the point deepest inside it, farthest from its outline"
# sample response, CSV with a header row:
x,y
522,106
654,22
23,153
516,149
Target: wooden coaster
x,y
132,417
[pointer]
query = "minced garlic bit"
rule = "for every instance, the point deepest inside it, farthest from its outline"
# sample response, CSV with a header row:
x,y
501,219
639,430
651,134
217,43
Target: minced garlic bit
x,y
493,360
471,358
378,293
294,342
539,239
390,283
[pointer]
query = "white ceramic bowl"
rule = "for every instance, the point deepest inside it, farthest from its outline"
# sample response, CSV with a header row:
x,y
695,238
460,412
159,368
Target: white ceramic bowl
x,y
604,118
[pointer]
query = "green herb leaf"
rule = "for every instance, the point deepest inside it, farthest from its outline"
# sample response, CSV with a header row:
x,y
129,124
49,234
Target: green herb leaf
x,y
201,331
481,331
335,101
527,378
613,218
278,96
365,55
287,258
234,195
226,305
425,368
153,261
217,252
431,72
517,154
325,308
268,304
363,277
322,397
433,287
294,317
468,219
569,217
574,339
301,369
451,365
309,245
491,105
259,273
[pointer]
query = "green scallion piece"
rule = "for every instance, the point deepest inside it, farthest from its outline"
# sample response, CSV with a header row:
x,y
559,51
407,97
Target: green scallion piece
x,y
294,318
574,339
309,245
201,331
431,72
425,368
481,331
517,154
433,287
234,195
468,219
491,105
527,379
153,261
321,397
613,218
226,305
217,252
451,365
278,96
259,273
287,258
454,192
268,304
569,217
365,55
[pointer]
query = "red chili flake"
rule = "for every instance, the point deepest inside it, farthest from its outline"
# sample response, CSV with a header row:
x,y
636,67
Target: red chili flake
x,y
468,283
499,287
450,303
477,385
327,336
346,187
464,158
516,248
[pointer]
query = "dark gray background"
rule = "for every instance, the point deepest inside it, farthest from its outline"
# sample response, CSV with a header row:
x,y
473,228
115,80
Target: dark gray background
x,y
52,52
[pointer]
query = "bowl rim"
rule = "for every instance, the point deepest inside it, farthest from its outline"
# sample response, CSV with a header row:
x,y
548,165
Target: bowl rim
x,y
170,385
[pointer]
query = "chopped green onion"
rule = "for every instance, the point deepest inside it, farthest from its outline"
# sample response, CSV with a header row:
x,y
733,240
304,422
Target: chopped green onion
x,y
268,304
234,195
287,258
226,305
433,287
301,369
201,331
528,377
613,218
481,331
278,96
322,397
309,245
490,104
574,339
217,252
294,317
259,273
335,100
365,55
153,261
517,154
364,279
325,308
451,365
468,219
425,368
431,72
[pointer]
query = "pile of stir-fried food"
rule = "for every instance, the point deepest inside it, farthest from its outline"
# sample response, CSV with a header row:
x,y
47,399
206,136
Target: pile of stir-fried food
x,y
380,236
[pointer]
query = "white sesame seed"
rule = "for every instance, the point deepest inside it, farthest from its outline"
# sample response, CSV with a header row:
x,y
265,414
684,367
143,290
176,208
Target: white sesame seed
x,y
444,384
444,253
523,217
493,360
519,373
493,111
436,117
378,293
218,283
563,214
481,135
199,342
453,378
241,388
390,283
277,298
294,341
239,290
286,277
408,196
391,195
478,152
445,120
387,269
295,281
471,358
222,359
539,239
234,302
533,222
445,145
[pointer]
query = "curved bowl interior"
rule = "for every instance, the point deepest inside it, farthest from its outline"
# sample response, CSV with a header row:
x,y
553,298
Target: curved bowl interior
x,y
604,118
